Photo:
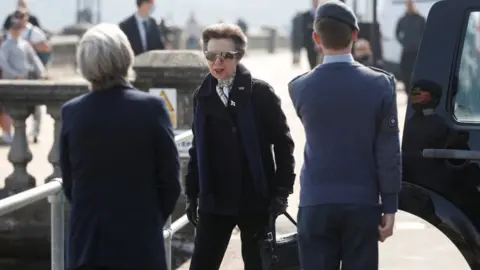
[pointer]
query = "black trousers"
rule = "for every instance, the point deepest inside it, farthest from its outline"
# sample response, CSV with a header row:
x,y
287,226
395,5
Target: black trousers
x,y
213,235
407,64
338,236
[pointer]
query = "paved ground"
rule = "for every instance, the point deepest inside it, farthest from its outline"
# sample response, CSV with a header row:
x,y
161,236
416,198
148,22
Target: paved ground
x,y
415,246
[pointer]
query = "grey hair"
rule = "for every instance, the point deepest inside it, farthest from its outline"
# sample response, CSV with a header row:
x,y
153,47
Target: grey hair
x,y
105,56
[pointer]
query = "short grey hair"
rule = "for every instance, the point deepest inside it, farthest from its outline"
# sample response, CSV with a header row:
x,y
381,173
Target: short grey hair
x,y
105,56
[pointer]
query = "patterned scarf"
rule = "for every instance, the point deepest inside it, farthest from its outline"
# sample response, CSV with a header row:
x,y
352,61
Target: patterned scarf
x,y
223,88
226,83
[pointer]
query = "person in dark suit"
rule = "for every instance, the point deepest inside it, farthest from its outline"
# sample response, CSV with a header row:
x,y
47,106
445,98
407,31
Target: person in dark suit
x,y
142,30
307,29
296,37
21,4
119,162
233,173
352,171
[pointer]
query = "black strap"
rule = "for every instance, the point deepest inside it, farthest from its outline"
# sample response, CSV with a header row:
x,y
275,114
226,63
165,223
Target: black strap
x,y
272,220
272,234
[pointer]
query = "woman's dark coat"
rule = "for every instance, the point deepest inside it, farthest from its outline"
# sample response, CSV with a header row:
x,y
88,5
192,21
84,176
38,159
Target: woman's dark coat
x,y
261,126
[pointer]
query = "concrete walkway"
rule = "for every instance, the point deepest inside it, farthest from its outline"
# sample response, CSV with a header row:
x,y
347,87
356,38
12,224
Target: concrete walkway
x,y
415,246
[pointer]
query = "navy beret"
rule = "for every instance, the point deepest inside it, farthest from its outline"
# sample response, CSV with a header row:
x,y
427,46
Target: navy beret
x,y
337,10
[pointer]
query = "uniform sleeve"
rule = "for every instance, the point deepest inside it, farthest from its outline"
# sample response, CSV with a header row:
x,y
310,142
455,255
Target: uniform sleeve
x,y
387,149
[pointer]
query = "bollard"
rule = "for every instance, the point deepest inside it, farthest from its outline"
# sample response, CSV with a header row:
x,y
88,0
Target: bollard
x,y
272,39
57,231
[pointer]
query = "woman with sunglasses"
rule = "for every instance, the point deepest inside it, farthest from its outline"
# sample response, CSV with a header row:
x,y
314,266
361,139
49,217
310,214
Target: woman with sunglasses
x,y
233,177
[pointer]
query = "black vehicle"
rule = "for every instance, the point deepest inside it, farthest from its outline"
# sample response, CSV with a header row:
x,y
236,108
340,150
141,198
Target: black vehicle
x,y
441,140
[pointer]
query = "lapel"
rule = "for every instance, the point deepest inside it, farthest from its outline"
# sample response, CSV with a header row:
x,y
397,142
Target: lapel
x,y
211,104
241,90
136,38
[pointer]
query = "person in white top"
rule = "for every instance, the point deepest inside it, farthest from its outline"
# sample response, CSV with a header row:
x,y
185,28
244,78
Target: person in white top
x,y
39,41
194,33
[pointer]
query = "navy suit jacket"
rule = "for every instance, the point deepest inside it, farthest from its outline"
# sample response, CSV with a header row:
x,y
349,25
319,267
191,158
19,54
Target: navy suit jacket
x,y
120,172
154,38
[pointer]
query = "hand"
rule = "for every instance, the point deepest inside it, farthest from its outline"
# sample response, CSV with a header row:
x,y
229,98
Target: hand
x,y
385,229
279,205
192,211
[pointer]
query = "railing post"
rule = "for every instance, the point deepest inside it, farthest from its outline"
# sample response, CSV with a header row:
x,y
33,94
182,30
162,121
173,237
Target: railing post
x,y
168,243
57,231
19,155
54,155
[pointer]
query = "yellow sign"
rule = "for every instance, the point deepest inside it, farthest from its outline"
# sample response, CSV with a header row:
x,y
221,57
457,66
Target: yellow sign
x,y
170,107
169,95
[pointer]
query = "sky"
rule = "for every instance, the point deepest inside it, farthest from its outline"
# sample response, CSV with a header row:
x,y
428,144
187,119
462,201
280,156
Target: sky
x,y
56,14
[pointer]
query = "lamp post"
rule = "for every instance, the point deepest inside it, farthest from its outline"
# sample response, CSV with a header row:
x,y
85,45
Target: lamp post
x,y
86,10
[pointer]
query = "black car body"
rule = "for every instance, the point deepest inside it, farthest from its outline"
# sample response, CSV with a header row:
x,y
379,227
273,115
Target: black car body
x,y
441,140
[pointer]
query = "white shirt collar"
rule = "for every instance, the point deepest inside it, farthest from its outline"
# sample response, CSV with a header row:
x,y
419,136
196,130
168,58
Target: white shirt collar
x,y
339,58
140,19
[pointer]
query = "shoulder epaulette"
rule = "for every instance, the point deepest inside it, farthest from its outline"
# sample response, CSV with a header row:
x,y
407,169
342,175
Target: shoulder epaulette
x,y
299,76
389,75
381,71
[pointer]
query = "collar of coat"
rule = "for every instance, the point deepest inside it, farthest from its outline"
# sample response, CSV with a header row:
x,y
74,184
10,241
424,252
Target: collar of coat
x,y
242,81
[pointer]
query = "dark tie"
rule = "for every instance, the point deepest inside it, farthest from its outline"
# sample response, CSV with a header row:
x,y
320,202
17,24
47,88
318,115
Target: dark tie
x,y
145,27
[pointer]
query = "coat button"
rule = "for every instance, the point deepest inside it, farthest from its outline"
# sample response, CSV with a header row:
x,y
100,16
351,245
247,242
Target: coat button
x,y
234,129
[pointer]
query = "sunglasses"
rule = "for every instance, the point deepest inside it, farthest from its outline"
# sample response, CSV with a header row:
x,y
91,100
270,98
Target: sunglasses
x,y
212,56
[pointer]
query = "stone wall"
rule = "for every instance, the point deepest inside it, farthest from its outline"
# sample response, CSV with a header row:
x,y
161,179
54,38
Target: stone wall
x,y
64,48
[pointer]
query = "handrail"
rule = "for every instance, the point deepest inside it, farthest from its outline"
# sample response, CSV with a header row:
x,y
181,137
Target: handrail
x,y
53,191
30,196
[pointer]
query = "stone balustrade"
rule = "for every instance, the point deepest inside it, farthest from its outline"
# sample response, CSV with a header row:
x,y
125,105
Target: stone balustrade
x,y
18,99
64,47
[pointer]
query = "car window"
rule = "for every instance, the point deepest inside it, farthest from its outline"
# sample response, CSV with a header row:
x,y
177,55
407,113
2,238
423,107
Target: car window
x,y
467,98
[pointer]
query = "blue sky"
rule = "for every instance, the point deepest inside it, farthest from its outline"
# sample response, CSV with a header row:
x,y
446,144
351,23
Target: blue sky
x,y
55,14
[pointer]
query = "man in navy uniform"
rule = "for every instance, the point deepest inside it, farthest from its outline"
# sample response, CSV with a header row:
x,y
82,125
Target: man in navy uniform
x,y
351,174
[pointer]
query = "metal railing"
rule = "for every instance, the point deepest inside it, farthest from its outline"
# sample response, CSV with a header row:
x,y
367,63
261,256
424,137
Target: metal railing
x,y
53,191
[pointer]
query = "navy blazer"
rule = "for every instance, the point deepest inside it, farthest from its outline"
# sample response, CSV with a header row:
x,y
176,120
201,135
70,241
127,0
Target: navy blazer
x,y
120,172
154,38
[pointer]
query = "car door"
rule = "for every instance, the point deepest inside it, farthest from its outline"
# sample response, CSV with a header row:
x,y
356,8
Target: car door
x,y
441,140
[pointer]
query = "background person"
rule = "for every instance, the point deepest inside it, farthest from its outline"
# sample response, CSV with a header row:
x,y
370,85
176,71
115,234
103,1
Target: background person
x,y
21,4
409,33
142,30
194,33
39,42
